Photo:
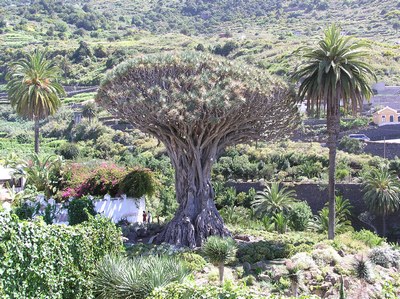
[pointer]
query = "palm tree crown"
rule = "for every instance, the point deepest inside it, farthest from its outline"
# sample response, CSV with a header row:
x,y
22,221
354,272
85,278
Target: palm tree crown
x,y
273,200
382,191
335,73
33,89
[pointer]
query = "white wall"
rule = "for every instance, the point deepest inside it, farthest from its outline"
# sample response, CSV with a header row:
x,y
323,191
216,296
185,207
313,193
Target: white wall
x,y
122,208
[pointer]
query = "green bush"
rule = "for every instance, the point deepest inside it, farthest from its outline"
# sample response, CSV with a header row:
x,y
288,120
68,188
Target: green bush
x,y
193,261
300,215
264,250
52,261
351,145
122,278
79,210
69,151
138,182
385,256
369,238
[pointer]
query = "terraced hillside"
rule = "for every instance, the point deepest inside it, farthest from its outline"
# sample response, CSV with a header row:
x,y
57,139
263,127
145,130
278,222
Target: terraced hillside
x,y
89,37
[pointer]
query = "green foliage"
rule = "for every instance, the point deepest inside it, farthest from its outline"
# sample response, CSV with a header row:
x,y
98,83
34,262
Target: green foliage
x,y
363,268
385,256
265,250
69,151
25,211
342,223
42,172
162,249
121,278
219,250
52,261
300,216
193,261
274,200
351,145
79,210
138,182
369,238
33,88
381,191
185,291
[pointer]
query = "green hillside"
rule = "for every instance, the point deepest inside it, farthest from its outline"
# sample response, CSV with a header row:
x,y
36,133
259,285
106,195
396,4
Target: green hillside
x,y
89,37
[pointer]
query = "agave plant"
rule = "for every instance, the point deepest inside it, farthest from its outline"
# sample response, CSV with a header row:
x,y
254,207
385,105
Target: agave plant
x,y
123,278
220,251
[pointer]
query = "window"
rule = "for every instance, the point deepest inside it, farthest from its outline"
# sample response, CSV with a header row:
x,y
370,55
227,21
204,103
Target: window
x,y
391,118
383,118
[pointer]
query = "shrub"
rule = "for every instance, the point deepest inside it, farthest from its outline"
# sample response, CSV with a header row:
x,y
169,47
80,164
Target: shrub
x,y
264,250
193,261
351,145
69,151
138,182
79,210
121,278
104,180
220,251
300,215
52,261
369,238
325,255
385,257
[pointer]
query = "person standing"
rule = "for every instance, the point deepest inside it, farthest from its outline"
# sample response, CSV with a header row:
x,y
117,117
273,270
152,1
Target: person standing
x,y
149,216
144,216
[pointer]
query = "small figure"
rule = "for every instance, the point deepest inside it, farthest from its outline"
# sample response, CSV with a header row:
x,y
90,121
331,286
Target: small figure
x,y
144,216
149,217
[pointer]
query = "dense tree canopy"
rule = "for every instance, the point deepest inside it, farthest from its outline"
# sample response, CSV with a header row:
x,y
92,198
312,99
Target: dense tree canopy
x,y
197,105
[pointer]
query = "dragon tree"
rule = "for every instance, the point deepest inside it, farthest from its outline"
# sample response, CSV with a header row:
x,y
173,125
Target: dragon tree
x,y
197,105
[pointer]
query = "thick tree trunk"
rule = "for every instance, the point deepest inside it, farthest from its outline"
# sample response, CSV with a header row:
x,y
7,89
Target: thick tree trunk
x,y
36,129
333,126
197,217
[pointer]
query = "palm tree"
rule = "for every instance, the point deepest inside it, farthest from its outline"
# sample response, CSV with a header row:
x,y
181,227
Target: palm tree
x,y
89,111
33,89
273,200
334,75
382,193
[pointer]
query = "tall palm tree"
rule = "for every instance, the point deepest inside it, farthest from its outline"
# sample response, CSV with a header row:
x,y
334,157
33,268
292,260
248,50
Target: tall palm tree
x,y
273,200
382,193
334,75
33,89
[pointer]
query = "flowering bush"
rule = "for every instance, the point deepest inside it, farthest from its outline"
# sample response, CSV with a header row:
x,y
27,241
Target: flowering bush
x,y
99,182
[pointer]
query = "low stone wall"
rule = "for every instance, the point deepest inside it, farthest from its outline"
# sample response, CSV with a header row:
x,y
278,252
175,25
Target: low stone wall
x,y
377,149
316,196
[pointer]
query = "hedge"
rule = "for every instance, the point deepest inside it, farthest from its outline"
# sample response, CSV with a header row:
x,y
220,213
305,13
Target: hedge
x,y
52,261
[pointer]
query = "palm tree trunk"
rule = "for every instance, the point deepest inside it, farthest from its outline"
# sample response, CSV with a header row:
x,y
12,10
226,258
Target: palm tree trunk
x,y
333,126
221,273
36,129
384,224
